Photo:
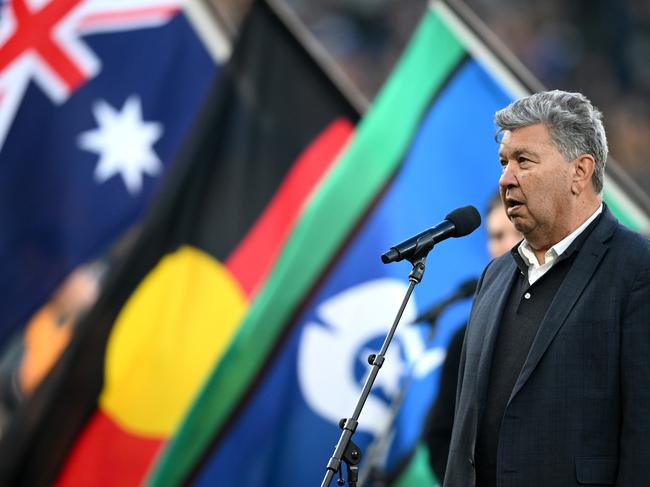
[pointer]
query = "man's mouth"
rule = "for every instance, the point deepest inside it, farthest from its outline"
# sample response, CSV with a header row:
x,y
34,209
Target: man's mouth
x,y
513,205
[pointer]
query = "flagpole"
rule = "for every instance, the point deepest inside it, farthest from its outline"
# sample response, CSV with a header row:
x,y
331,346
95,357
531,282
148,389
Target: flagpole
x,y
345,449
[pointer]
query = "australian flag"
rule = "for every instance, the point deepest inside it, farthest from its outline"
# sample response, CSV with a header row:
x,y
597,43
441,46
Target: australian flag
x,y
96,98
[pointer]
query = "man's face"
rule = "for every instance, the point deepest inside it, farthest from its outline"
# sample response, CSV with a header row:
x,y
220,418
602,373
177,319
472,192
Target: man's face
x,y
535,184
502,235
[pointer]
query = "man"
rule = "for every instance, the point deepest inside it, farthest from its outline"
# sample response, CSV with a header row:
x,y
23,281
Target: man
x,y
554,380
502,236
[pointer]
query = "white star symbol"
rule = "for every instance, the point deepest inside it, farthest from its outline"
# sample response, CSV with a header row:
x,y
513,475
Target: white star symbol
x,y
124,143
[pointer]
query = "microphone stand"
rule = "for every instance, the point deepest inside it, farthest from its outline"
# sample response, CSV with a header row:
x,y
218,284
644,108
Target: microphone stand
x,y
378,448
346,450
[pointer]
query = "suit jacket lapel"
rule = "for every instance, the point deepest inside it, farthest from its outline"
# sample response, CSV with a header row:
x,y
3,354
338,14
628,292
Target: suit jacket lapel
x,y
496,300
587,260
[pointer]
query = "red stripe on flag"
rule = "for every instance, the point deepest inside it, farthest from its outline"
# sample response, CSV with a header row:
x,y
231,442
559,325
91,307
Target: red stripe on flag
x,y
139,15
34,33
105,455
253,258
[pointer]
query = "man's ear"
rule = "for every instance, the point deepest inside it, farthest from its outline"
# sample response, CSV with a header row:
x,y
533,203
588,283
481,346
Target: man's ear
x,y
583,169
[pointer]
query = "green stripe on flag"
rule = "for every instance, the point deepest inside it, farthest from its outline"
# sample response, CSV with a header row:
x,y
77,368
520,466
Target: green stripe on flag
x,y
624,209
622,216
417,473
373,156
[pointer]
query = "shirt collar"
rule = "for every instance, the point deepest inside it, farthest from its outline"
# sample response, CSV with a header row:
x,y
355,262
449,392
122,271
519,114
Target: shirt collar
x,y
529,257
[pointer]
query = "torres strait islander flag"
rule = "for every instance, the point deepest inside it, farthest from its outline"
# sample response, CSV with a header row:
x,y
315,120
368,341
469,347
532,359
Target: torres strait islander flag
x,y
269,412
96,97
269,134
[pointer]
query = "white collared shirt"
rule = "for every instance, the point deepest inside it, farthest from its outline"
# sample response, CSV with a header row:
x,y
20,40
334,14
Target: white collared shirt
x,y
537,270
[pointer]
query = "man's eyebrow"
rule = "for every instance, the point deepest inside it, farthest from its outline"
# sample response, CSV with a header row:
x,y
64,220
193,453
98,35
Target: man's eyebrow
x,y
519,152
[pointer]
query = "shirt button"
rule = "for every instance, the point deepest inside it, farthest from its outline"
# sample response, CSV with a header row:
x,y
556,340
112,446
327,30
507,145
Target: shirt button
x,y
527,295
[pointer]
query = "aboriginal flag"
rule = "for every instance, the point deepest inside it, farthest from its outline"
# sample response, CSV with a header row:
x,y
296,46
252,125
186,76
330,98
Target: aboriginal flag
x,y
265,142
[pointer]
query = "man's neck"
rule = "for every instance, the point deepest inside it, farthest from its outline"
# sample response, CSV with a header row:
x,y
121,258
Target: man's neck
x,y
541,247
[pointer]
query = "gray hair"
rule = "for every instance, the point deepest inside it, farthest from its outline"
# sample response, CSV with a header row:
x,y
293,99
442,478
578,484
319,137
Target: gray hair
x,y
574,125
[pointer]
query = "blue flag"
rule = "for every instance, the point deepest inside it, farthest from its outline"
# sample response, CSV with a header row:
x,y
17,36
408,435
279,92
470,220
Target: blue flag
x,y
96,98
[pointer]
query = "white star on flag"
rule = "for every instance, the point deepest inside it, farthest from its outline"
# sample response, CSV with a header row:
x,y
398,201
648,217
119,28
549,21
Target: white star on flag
x,y
124,142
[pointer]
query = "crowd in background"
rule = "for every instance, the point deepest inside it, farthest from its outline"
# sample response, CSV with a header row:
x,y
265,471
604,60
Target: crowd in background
x,y
598,47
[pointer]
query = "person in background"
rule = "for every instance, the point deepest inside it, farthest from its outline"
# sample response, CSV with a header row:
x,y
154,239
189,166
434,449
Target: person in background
x,y
31,354
502,236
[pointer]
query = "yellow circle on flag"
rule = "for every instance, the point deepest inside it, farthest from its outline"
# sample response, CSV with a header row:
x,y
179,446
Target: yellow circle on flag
x,y
166,340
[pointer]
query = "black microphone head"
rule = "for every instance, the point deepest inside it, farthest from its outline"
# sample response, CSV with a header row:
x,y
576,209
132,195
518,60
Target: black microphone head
x,y
465,219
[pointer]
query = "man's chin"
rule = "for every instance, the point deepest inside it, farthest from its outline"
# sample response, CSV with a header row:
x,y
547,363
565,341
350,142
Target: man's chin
x,y
520,224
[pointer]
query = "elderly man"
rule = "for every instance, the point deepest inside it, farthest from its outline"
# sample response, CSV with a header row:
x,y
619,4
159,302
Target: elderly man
x,y
554,380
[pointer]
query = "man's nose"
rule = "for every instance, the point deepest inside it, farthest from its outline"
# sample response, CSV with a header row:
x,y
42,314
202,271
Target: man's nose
x,y
508,177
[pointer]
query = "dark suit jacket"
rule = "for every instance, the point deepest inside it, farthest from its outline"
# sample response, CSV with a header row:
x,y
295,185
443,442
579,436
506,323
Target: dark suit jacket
x,y
579,413
440,420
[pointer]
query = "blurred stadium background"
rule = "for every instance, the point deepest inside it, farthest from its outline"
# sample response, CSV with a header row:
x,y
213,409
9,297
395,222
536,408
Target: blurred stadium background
x,y
601,48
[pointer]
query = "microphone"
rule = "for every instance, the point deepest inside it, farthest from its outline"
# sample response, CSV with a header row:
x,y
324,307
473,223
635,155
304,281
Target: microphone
x,y
458,223
464,291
